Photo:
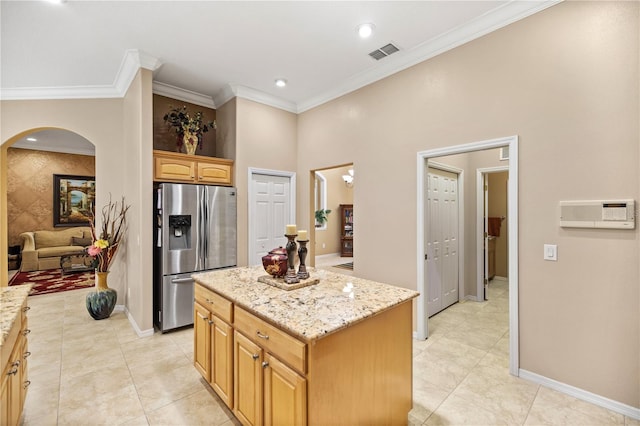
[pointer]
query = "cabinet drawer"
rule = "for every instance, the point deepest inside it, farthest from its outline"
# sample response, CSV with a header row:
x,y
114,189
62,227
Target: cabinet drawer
x,y
174,170
275,341
214,173
214,302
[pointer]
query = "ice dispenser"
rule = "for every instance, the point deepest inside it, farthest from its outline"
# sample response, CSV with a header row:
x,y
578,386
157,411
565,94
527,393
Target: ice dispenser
x,y
179,232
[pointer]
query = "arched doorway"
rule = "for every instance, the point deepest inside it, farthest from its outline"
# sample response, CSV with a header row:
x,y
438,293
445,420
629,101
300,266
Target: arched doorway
x,y
30,161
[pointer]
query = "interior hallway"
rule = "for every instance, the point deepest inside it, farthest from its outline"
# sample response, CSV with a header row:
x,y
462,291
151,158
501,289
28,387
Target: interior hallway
x,y
99,372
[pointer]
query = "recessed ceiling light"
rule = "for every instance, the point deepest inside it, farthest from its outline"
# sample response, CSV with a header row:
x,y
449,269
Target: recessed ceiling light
x,y
32,139
56,1
365,30
281,82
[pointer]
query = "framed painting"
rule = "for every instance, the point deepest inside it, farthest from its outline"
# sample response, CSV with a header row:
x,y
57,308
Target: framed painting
x,y
73,200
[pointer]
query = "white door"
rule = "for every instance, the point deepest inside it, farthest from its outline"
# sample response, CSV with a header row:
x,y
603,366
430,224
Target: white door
x,y
441,238
269,214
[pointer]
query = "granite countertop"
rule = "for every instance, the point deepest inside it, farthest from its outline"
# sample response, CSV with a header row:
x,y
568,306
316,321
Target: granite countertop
x,y
11,299
309,313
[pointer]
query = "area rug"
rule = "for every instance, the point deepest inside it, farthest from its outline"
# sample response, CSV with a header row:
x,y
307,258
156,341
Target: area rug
x,y
348,265
50,281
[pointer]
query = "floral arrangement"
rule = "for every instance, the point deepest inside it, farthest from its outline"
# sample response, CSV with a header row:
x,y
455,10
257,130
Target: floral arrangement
x,y
105,245
189,129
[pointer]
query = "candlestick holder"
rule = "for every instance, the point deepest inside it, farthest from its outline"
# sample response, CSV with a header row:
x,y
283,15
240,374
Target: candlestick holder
x,y
302,254
291,277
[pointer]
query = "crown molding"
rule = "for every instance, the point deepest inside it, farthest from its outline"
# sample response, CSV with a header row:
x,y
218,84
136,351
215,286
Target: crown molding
x,y
132,61
184,95
232,90
498,18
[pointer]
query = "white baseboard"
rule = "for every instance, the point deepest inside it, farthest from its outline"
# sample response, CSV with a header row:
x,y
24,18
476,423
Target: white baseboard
x,y
324,256
132,321
471,298
582,394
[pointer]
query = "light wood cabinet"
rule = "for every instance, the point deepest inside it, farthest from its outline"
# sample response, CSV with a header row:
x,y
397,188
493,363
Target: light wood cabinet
x,y
267,390
13,390
213,342
247,361
280,380
183,168
285,394
202,341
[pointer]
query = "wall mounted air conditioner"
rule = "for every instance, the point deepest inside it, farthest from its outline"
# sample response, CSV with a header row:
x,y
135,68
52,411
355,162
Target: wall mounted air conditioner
x,y
610,214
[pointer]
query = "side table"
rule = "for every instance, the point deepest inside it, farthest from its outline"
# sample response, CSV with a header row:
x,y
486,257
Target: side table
x,y
75,262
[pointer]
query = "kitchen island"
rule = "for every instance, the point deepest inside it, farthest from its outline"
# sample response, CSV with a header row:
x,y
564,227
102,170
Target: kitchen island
x,y
336,352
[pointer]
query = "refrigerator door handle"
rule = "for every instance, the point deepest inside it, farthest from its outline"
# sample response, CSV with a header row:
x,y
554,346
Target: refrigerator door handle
x,y
182,280
200,264
205,228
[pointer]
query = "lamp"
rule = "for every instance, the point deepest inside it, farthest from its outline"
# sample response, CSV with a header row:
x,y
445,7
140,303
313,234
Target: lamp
x,y
348,179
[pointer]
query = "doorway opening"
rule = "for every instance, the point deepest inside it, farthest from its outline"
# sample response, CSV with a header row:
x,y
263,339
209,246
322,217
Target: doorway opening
x,y
331,211
33,164
492,227
423,159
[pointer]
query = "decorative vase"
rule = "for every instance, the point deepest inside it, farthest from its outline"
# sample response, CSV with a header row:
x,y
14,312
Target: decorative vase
x,y
275,263
190,142
100,303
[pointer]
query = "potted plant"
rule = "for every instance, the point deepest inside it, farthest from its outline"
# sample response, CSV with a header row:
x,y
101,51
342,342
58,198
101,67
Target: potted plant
x,y
189,129
322,217
104,247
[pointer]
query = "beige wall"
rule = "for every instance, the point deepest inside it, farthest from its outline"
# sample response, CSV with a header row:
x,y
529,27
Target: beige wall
x,y
138,171
566,81
265,139
30,187
337,193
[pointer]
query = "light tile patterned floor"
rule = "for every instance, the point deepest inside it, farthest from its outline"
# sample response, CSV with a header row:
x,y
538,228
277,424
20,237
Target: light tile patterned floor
x,y
100,373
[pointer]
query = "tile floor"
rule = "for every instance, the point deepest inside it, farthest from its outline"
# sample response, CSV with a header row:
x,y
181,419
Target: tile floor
x,y
100,373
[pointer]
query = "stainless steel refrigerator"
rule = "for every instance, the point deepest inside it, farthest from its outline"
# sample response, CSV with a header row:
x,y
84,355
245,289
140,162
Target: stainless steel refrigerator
x,y
195,231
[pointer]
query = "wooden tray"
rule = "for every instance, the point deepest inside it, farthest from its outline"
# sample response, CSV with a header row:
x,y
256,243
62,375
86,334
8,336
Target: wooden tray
x,y
281,284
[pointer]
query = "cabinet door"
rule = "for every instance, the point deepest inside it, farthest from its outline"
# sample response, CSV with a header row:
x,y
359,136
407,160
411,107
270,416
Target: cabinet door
x,y
285,394
174,170
247,360
5,406
202,341
15,385
24,382
222,360
214,173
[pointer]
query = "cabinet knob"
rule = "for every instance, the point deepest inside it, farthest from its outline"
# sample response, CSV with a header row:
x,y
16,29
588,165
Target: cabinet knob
x,y
265,364
27,331
262,336
255,356
26,383
210,322
27,354
26,308
13,372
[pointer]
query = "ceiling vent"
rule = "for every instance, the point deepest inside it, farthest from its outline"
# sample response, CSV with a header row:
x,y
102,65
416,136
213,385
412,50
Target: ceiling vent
x,y
383,52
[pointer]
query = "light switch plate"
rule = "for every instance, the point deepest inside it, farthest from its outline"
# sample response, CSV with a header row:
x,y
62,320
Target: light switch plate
x,y
551,252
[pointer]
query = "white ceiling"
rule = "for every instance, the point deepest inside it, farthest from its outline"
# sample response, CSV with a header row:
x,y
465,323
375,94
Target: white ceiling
x,y
221,49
